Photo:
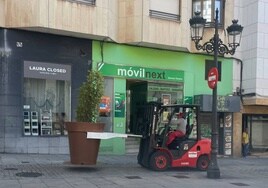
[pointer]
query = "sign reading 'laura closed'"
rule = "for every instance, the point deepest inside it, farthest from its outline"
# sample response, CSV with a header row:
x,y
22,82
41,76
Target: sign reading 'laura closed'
x,y
47,71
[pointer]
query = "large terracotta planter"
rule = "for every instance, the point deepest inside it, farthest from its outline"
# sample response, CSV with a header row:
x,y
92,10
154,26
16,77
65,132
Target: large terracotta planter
x,y
83,151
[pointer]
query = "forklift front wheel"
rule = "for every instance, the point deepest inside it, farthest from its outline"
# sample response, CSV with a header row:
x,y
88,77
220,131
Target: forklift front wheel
x,y
202,162
159,161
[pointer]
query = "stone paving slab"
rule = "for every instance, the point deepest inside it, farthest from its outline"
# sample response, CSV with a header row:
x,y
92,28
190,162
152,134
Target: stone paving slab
x,y
123,171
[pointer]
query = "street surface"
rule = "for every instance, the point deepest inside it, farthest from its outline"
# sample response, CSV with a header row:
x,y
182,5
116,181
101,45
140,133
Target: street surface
x,y
43,171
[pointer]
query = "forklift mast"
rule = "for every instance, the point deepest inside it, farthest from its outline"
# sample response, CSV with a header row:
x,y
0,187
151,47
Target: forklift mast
x,y
147,118
147,121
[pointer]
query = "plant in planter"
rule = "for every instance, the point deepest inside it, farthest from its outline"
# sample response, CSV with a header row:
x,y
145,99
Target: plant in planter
x,y
82,150
90,95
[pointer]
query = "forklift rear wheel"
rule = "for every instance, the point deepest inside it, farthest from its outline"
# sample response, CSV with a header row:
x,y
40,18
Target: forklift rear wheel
x,y
203,162
159,161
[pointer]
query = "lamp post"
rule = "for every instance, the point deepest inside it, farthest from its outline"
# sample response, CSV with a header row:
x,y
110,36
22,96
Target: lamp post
x,y
216,46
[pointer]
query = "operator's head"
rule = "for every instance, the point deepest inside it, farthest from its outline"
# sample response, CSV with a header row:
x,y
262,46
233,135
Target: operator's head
x,y
180,115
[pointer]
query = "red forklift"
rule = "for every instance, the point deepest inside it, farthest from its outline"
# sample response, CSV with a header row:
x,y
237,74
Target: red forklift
x,y
154,122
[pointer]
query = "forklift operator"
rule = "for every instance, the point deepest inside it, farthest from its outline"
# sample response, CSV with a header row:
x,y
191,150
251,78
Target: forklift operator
x,y
180,129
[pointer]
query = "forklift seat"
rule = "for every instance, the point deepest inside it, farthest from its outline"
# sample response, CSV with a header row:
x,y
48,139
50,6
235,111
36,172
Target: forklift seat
x,y
176,142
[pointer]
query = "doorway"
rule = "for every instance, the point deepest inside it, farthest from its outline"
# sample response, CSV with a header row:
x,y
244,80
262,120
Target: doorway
x,y
136,95
140,92
258,129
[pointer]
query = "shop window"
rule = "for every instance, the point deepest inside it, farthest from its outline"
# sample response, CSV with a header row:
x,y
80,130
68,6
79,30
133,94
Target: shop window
x,y
207,9
205,124
47,104
106,111
46,98
169,10
258,129
165,93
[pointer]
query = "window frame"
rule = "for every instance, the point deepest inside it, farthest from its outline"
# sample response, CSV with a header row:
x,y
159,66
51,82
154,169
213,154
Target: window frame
x,y
165,15
221,12
88,2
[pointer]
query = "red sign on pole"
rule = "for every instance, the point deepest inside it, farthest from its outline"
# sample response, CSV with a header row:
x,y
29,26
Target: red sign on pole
x,y
213,76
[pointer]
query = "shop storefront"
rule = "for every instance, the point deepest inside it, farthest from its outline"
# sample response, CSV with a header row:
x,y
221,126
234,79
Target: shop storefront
x,y
41,75
47,98
135,75
257,126
226,107
255,119
142,85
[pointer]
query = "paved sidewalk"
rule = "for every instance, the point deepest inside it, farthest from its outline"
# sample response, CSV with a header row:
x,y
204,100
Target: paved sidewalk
x,y
43,171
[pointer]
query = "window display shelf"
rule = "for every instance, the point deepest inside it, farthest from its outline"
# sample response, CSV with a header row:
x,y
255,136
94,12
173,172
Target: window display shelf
x,y
46,122
34,123
26,123
30,122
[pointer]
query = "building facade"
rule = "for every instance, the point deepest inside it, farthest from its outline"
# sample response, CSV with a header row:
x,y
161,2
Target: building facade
x,y
252,84
47,46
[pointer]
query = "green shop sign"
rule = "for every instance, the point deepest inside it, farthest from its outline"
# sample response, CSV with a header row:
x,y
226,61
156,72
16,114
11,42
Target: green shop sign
x,y
140,72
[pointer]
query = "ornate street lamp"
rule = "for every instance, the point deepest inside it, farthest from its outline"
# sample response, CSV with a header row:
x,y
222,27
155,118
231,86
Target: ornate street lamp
x,y
216,46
